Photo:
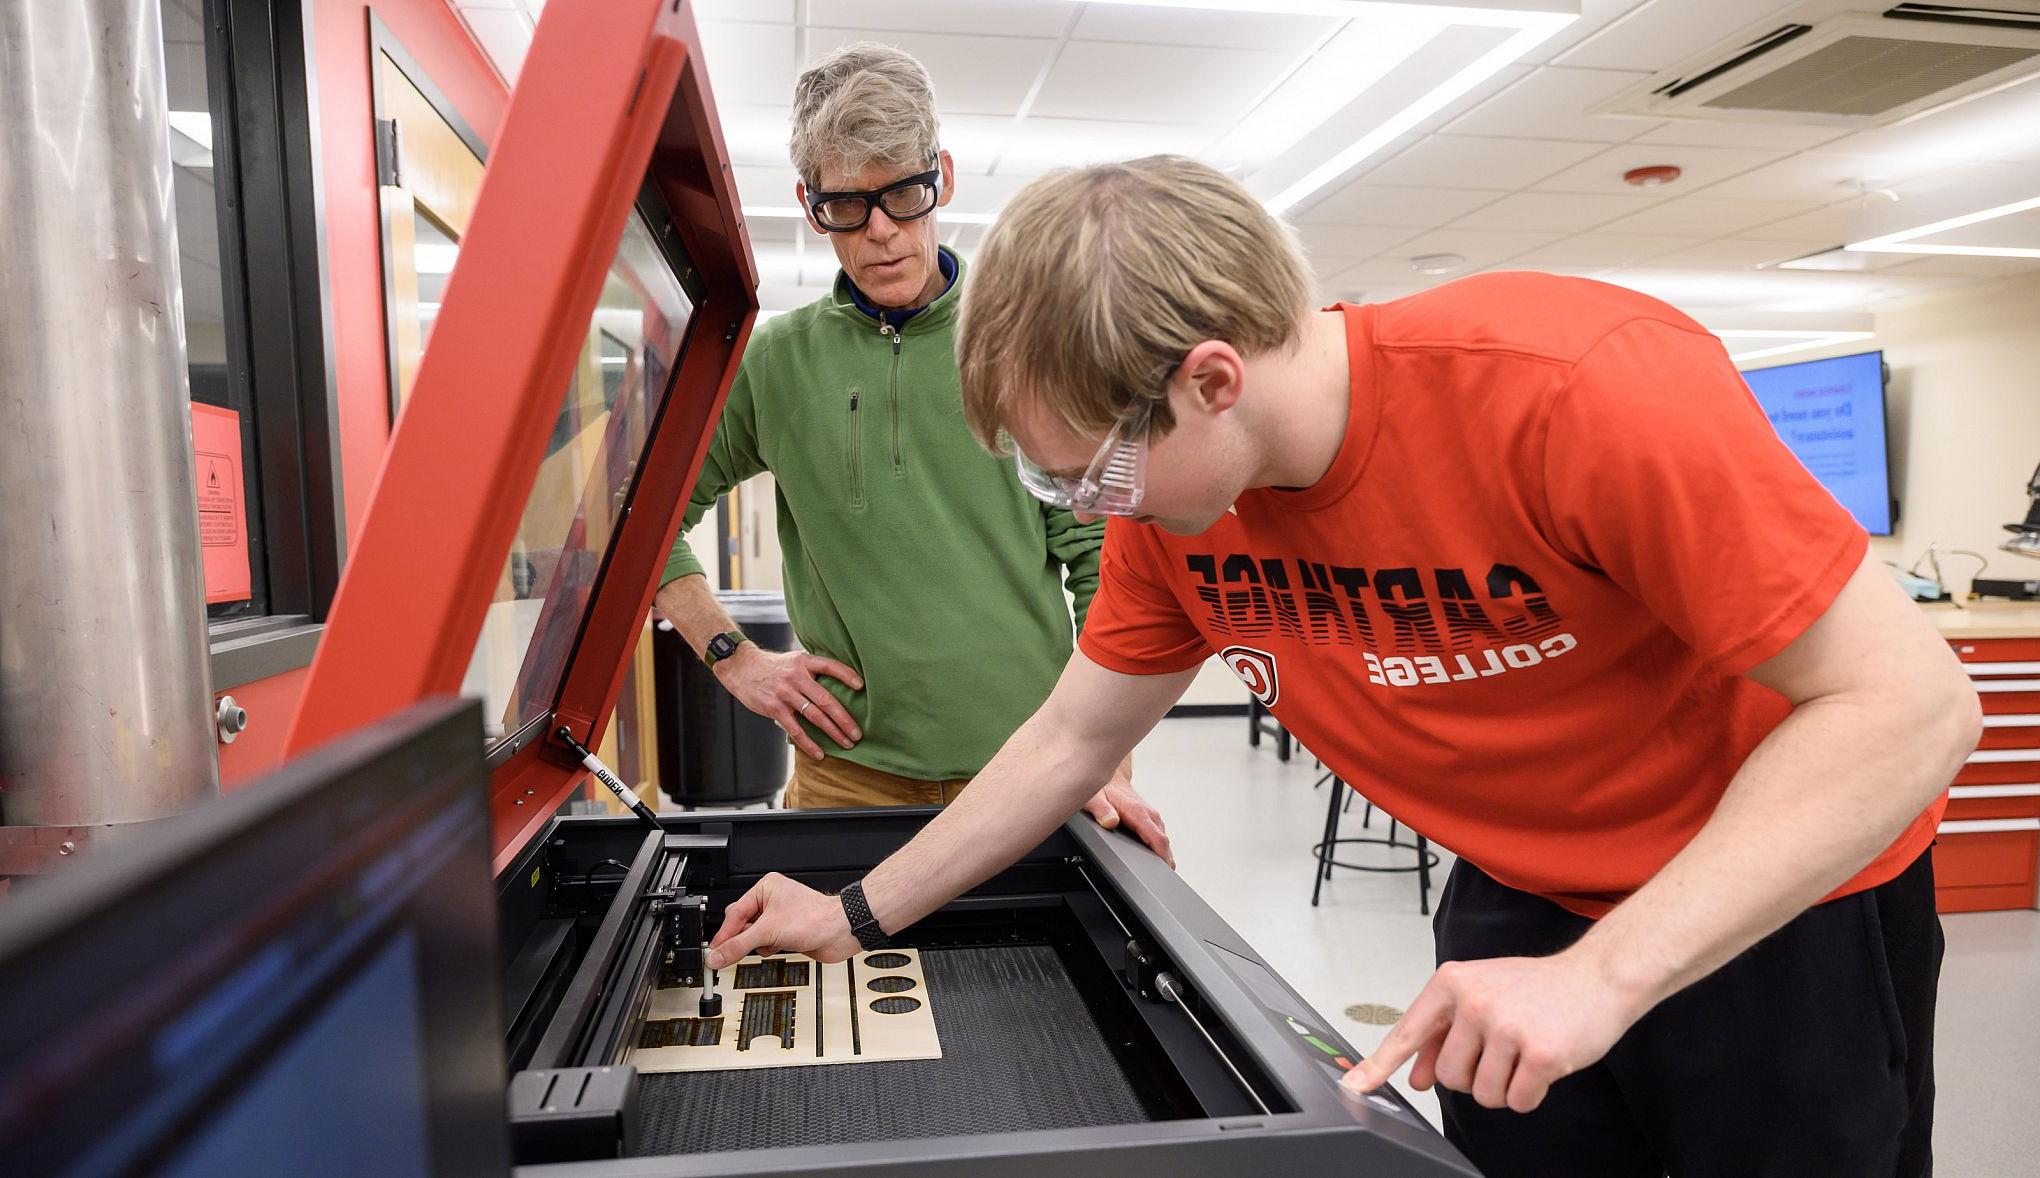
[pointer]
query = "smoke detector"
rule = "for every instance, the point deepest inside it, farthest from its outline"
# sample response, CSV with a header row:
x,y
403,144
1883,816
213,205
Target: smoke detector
x,y
1655,176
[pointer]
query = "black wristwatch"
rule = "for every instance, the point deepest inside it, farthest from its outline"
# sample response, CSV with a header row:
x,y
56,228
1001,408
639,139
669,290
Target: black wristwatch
x,y
862,923
723,646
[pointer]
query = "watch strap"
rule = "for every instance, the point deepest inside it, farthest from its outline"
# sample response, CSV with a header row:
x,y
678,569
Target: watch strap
x,y
862,923
730,640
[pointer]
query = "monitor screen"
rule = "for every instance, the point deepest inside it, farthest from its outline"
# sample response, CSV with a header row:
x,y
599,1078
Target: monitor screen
x,y
297,978
1831,415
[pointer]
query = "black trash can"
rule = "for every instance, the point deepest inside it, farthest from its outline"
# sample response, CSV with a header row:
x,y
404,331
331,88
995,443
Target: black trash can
x,y
713,751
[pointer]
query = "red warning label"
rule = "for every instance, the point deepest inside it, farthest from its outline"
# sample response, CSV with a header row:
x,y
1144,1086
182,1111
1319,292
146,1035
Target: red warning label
x,y
222,502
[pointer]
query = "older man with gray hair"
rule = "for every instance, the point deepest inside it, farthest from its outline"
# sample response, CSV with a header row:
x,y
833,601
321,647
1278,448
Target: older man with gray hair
x,y
925,584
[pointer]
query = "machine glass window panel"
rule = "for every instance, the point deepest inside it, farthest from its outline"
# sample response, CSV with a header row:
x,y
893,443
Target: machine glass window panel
x,y
223,422
630,349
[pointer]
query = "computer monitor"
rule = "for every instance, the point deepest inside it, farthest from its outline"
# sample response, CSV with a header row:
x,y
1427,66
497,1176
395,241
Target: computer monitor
x,y
1831,415
298,978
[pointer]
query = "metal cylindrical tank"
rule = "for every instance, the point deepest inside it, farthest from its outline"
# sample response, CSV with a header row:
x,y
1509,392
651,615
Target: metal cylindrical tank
x,y
105,684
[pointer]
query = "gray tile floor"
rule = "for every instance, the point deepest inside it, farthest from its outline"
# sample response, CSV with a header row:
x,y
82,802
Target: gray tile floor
x,y
1243,824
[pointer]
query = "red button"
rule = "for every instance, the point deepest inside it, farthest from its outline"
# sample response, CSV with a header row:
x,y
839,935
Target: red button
x,y
1345,1065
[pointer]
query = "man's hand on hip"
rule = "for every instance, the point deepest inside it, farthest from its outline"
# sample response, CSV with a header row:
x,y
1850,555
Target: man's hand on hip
x,y
778,913
1503,1030
781,686
1118,805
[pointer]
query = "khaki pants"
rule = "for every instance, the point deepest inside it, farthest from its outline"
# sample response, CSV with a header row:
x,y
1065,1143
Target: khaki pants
x,y
833,783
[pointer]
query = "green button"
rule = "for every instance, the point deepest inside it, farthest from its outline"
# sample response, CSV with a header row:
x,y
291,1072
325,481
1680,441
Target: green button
x,y
1321,1045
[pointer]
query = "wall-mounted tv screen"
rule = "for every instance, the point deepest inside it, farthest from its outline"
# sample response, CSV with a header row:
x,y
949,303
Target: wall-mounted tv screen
x,y
1831,415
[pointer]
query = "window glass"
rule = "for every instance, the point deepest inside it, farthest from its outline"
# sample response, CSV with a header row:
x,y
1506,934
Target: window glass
x,y
223,429
627,357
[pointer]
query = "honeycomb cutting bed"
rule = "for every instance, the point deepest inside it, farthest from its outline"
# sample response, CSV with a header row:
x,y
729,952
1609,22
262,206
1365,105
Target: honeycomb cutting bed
x,y
1020,1051
792,1011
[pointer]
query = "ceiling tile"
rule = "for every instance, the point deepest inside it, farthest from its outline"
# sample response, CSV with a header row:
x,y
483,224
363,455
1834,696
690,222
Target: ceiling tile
x,y
1350,242
749,63
1551,103
984,194
755,133
1658,35
1189,26
775,230
1951,266
772,187
1698,216
1701,166
1595,15
1724,133
768,11
1829,224
506,37
1477,161
1735,254
1815,179
1595,251
990,18
1480,247
972,75
1158,83
1553,212
1037,145
1373,292
976,142
2000,127
1370,204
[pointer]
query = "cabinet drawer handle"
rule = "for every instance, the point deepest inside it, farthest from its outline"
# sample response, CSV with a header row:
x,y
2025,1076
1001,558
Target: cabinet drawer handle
x,y
1989,825
2026,721
2002,668
2002,756
2026,790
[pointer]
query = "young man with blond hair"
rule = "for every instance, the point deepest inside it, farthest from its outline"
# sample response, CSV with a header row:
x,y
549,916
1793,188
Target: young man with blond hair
x,y
1522,561
925,586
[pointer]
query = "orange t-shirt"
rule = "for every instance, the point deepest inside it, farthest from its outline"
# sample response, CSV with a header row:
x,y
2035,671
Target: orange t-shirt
x,y
1517,610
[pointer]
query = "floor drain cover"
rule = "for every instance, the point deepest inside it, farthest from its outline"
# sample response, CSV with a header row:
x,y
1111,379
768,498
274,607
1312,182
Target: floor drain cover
x,y
1374,1014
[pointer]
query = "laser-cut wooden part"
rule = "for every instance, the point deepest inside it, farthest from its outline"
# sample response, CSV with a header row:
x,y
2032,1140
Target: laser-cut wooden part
x,y
829,1012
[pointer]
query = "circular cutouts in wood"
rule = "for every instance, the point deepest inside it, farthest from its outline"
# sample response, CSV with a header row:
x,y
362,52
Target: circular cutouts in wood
x,y
887,960
895,1005
892,983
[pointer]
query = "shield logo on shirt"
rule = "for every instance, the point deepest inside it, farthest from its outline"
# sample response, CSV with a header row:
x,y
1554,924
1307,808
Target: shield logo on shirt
x,y
1256,669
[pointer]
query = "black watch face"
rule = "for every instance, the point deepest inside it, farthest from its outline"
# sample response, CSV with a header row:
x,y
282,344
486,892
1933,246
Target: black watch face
x,y
722,646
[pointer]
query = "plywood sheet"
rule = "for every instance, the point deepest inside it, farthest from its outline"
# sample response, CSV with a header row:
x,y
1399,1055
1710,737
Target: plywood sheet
x,y
789,1010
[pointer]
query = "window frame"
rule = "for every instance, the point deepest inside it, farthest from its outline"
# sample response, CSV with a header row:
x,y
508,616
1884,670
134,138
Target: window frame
x,y
269,201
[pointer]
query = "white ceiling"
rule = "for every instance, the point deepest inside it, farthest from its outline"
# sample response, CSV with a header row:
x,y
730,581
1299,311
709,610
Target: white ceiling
x,y
1513,174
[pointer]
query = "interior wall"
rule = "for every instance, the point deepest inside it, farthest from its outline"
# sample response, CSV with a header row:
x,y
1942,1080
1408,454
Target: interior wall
x,y
1965,420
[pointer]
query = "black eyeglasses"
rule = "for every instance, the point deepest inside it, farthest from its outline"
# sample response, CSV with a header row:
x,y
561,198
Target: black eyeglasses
x,y
903,200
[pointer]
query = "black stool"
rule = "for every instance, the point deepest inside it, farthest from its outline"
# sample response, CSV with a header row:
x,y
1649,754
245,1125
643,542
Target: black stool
x,y
1258,724
1326,850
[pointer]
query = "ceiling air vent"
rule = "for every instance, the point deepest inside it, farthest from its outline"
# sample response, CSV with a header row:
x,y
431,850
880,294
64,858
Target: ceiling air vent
x,y
1828,65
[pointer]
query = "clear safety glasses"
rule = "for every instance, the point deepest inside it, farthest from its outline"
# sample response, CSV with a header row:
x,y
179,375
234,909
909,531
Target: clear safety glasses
x,y
1115,482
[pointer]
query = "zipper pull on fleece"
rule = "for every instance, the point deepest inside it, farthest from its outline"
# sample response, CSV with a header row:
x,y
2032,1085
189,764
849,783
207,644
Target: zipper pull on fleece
x,y
893,333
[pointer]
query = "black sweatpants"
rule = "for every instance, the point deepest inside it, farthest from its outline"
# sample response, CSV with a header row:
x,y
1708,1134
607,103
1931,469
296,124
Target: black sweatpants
x,y
1811,1054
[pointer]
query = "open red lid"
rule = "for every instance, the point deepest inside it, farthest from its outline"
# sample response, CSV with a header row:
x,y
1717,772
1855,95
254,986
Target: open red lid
x,y
606,234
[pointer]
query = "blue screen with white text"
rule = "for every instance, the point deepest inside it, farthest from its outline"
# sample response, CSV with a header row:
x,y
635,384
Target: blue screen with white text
x,y
1831,415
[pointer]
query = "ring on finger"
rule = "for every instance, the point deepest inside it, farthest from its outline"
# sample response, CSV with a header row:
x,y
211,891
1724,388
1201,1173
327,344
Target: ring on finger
x,y
805,705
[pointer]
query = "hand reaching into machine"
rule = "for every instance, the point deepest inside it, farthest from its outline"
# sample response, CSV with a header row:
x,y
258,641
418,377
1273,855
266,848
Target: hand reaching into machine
x,y
781,914
781,686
